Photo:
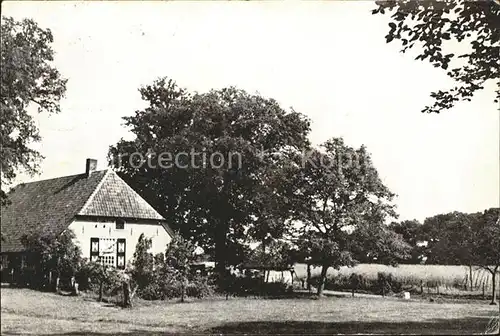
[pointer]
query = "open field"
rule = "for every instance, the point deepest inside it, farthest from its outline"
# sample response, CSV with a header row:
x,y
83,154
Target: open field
x,y
431,275
29,312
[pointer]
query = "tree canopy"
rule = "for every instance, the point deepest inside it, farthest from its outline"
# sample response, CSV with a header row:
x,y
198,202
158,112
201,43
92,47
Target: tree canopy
x,y
434,27
225,146
28,78
339,201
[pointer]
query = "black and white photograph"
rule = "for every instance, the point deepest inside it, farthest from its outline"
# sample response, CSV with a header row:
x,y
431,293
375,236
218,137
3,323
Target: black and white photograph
x,y
250,167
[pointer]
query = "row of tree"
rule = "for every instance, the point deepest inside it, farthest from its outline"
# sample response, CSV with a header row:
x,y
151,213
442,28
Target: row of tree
x,y
455,239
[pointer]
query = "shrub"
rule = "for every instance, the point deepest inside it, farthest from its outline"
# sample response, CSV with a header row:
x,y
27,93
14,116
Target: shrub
x,y
167,276
171,290
48,254
152,291
387,283
344,282
274,289
104,280
199,288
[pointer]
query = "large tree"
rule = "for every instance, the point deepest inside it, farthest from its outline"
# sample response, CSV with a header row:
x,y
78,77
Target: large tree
x,y
434,27
29,77
338,194
486,249
220,152
410,231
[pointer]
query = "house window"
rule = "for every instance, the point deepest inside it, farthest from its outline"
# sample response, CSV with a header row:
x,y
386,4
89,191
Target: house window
x,y
107,260
103,250
120,224
120,253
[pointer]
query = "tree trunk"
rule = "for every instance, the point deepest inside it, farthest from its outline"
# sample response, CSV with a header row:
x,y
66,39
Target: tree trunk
x,y
101,290
76,291
74,286
58,279
493,285
470,276
308,277
322,279
222,228
183,290
127,301
221,253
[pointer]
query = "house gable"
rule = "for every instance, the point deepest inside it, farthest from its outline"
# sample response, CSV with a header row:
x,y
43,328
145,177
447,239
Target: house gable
x,y
48,207
115,198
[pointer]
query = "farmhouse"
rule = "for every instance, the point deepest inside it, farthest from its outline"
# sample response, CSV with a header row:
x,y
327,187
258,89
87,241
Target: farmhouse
x,y
106,215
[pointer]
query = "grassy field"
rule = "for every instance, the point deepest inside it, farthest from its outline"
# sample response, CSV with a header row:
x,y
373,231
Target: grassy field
x,y
444,276
25,311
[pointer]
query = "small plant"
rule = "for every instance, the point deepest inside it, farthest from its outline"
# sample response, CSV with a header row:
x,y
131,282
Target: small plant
x,y
105,280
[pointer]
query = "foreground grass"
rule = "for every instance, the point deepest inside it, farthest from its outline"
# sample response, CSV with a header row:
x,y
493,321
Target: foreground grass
x,y
29,312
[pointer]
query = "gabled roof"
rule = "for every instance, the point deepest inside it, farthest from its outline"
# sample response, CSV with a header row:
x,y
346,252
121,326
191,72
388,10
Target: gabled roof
x,y
115,198
49,206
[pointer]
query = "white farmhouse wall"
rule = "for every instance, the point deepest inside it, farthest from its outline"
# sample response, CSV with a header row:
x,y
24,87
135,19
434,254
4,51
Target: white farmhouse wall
x,y
84,230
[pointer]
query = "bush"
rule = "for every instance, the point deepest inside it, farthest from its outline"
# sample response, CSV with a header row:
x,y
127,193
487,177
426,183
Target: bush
x,y
387,283
151,291
171,290
254,285
344,282
83,277
104,280
168,275
199,288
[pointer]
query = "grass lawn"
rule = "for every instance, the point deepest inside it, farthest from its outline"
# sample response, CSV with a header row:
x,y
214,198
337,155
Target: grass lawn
x,y
25,311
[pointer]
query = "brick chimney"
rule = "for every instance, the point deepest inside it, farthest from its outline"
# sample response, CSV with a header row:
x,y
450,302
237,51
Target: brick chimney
x,y
90,167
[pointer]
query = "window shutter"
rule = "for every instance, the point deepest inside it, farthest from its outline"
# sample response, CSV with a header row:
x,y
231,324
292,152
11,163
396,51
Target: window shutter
x,y
120,253
94,249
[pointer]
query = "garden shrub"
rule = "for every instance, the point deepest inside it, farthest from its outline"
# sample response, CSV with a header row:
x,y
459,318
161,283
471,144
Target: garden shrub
x,y
104,280
199,287
152,291
387,283
343,282
168,275
170,290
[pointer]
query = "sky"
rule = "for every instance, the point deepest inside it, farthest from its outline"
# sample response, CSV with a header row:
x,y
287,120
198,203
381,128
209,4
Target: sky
x,y
327,60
